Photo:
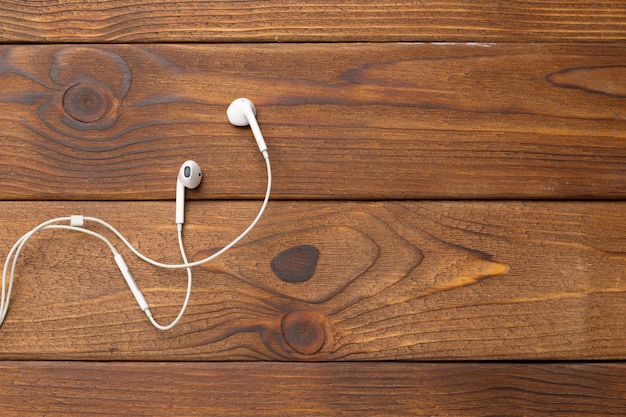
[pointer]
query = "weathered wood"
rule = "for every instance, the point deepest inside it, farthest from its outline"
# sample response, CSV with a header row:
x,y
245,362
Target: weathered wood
x,y
342,121
391,281
311,21
325,389
531,106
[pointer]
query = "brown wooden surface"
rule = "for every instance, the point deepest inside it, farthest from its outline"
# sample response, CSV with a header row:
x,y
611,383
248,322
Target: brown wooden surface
x,y
513,100
390,281
312,21
342,121
278,389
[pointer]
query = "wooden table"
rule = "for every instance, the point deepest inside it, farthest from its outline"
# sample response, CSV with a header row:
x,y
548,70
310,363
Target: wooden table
x,y
446,234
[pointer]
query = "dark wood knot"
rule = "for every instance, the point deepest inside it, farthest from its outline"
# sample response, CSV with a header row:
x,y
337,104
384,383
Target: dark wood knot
x,y
88,102
296,264
303,332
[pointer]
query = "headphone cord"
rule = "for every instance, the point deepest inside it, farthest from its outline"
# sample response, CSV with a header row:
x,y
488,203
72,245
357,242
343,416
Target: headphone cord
x,y
76,223
209,258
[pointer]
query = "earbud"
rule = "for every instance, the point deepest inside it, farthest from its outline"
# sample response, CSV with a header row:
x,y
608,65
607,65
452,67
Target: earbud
x,y
189,176
242,112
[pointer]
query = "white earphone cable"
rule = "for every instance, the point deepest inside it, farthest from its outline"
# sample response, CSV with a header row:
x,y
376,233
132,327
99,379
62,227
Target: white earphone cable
x,y
207,259
19,245
187,295
50,224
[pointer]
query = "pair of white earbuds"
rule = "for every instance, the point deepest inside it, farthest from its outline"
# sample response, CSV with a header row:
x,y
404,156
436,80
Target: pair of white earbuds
x,y
241,112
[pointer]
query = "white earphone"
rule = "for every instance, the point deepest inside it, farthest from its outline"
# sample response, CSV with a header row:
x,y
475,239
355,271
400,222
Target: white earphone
x,y
241,112
189,176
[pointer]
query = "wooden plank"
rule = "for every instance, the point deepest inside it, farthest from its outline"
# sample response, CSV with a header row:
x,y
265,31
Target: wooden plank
x,y
343,121
328,281
311,21
278,389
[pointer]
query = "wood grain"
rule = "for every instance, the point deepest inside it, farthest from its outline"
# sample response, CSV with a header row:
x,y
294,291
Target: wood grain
x,y
278,389
508,100
312,21
391,281
342,121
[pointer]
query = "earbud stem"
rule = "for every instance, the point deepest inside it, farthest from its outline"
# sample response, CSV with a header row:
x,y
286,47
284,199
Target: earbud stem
x,y
256,130
180,202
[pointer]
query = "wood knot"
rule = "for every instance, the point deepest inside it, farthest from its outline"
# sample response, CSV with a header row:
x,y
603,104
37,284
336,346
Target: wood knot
x,y
296,264
303,332
88,102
